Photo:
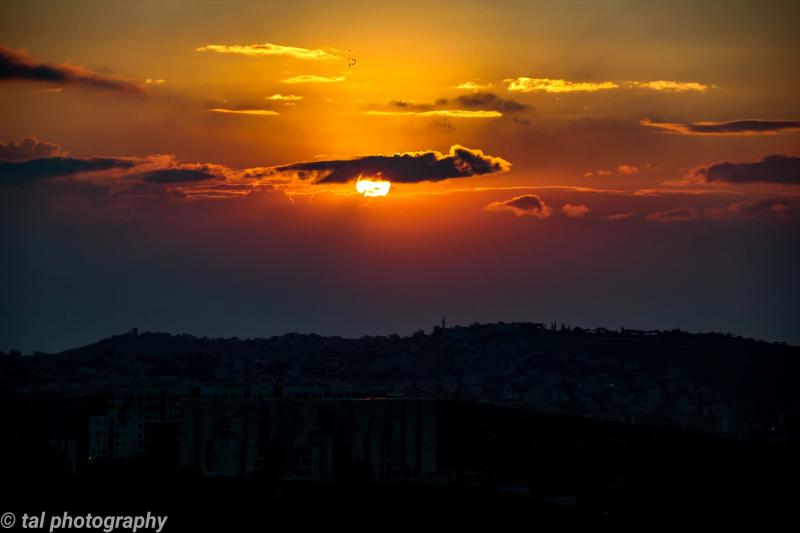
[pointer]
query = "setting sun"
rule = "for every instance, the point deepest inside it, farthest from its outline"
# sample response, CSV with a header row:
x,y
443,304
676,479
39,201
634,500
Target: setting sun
x,y
373,186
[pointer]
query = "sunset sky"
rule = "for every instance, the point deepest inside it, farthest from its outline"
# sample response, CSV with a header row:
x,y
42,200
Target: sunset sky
x,y
191,167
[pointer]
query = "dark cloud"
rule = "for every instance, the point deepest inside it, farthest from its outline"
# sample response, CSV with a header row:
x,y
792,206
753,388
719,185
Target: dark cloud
x,y
18,66
781,206
20,172
490,101
177,175
771,169
485,101
28,148
409,167
407,105
679,214
130,176
29,160
733,127
529,205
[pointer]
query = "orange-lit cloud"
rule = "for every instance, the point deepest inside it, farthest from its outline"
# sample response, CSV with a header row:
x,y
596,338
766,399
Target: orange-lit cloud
x,y
671,86
627,170
619,216
452,113
574,211
551,85
258,112
733,127
527,205
313,78
597,173
548,85
17,66
284,97
673,191
268,49
473,86
678,214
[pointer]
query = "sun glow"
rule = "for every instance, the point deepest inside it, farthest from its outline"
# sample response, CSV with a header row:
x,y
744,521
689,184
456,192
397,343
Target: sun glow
x,y
373,186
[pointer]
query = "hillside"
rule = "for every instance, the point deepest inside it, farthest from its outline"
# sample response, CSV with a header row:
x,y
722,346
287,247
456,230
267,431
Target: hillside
x,y
714,382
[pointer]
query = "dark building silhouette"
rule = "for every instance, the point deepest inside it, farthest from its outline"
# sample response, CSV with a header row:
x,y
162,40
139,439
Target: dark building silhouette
x,y
310,439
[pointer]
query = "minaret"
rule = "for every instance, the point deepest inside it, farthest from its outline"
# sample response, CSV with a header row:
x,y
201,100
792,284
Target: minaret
x,y
443,322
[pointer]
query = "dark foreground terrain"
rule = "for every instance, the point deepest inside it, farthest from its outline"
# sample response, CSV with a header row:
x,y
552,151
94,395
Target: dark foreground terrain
x,y
500,467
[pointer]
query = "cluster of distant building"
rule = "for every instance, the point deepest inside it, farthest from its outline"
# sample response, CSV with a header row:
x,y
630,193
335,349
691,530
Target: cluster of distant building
x,y
277,432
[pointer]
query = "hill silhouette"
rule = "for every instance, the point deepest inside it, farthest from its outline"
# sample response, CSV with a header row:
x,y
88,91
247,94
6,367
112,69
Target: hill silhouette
x,y
710,381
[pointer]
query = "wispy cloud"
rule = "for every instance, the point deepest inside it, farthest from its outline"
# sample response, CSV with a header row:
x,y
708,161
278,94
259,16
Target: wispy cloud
x,y
258,112
574,211
678,214
473,86
17,66
489,101
268,49
672,190
313,78
787,207
284,97
452,113
619,216
621,169
127,175
732,127
31,170
553,85
671,86
549,85
473,105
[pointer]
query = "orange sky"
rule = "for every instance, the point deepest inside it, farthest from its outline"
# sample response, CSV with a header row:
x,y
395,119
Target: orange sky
x,y
574,117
